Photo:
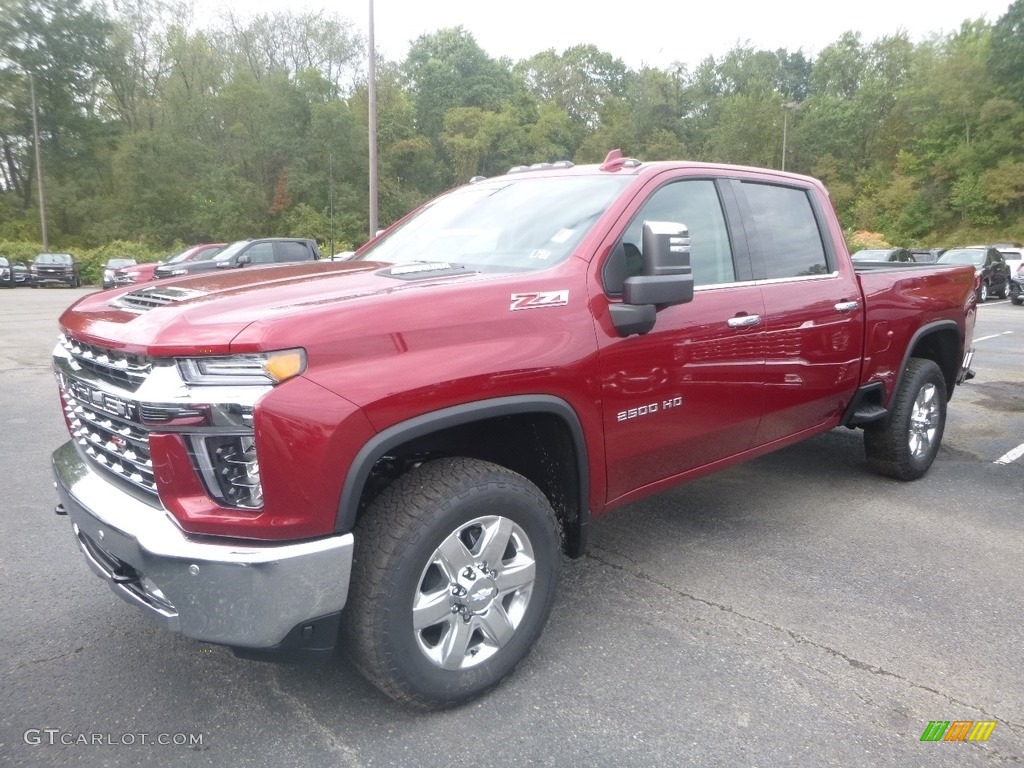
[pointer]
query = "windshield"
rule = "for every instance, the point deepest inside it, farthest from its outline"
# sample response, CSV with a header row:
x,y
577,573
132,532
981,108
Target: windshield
x,y
118,263
206,255
973,256
225,254
506,224
871,256
177,257
53,258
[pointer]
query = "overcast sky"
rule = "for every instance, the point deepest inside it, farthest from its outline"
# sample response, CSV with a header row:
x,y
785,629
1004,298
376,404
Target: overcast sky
x,y
652,32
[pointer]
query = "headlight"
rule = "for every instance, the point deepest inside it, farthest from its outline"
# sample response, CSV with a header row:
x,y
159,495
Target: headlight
x,y
260,368
108,274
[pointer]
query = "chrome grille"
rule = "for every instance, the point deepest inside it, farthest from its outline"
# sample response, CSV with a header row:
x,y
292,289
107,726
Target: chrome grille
x,y
124,370
152,297
115,443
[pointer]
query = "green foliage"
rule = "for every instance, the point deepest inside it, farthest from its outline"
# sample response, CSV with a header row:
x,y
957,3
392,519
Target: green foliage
x,y
154,134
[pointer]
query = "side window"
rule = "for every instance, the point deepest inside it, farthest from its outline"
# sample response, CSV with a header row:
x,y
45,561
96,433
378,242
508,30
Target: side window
x,y
292,251
261,253
786,230
694,203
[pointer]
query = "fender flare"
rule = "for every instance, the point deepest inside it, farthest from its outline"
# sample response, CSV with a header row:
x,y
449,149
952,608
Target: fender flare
x,y
939,325
458,415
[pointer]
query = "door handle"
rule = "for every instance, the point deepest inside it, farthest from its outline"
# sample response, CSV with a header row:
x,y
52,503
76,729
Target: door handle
x,y
743,321
847,306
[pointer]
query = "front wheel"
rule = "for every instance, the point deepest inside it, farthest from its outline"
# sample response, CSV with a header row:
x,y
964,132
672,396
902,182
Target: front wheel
x,y
453,577
983,292
906,443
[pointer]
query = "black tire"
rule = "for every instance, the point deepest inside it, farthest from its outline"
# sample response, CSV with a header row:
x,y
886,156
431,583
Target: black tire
x,y
1016,297
905,444
424,538
1004,291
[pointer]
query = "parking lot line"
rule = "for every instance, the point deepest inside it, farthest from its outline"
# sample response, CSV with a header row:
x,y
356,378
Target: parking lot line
x,y
993,336
1010,456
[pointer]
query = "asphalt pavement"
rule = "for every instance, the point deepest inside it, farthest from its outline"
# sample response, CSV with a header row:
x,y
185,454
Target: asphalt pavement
x,y
796,610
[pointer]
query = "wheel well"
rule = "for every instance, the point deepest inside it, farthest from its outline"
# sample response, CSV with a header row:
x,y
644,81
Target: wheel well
x,y
538,446
941,346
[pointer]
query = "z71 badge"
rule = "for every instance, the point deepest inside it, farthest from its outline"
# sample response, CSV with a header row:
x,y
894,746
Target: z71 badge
x,y
539,300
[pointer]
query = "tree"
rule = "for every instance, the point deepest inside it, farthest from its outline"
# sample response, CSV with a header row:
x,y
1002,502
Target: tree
x,y
578,81
448,69
1006,53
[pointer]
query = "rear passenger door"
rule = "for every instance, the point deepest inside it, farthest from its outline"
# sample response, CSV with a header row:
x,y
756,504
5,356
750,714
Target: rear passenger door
x,y
687,393
814,313
292,250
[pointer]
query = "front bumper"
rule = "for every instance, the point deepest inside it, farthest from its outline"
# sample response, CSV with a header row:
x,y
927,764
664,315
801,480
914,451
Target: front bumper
x,y
244,595
52,278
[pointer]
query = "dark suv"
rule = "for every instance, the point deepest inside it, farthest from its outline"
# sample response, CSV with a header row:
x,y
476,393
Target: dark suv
x,y
12,273
55,268
991,271
267,250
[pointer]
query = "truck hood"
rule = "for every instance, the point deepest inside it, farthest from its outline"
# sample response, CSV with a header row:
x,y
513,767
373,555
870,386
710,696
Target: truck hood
x,y
206,312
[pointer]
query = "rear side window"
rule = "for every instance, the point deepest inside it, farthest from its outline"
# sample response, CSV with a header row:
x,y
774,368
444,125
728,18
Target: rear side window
x,y
787,231
293,252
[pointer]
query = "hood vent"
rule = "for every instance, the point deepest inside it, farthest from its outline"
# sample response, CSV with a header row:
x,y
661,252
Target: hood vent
x,y
420,270
152,297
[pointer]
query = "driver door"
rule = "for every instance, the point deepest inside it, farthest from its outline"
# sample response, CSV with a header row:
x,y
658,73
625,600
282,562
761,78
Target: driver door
x,y
689,392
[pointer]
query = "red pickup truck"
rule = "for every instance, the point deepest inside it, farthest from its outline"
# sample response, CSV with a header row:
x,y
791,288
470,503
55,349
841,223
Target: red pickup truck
x,y
392,452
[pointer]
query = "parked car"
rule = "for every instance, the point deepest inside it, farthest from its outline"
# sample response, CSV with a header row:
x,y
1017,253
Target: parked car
x,y
901,255
266,250
12,273
1017,286
54,268
143,273
991,272
110,267
1013,257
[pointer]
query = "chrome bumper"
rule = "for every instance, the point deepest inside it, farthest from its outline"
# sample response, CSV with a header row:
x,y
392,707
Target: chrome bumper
x,y
248,596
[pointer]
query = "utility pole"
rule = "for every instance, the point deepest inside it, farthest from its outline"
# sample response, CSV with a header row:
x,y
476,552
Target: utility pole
x,y
372,104
785,114
39,168
330,173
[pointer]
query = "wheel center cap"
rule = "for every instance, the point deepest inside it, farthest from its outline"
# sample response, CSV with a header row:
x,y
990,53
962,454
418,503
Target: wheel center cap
x,y
475,589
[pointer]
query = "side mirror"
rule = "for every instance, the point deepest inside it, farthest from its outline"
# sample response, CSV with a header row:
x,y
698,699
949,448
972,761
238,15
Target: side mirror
x,y
665,280
244,259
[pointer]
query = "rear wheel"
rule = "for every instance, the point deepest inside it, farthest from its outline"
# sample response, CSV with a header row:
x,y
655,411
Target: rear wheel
x,y
906,443
453,578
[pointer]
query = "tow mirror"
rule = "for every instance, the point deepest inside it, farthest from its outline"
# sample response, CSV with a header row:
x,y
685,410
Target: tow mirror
x,y
665,280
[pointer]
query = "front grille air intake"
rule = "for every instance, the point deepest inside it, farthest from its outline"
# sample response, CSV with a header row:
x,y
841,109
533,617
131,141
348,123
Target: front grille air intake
x,y
116,443
119,368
